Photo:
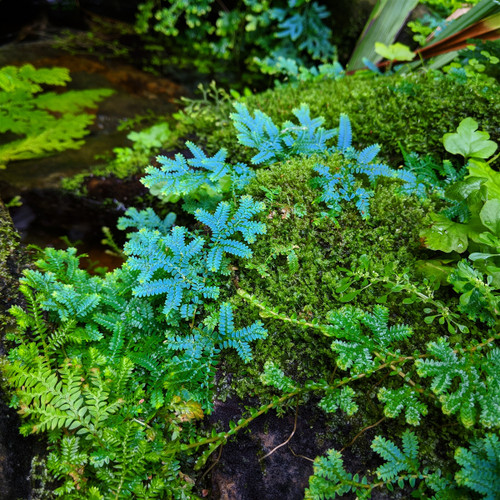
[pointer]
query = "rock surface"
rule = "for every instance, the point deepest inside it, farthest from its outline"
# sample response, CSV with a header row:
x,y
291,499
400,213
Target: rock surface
x,y
16,452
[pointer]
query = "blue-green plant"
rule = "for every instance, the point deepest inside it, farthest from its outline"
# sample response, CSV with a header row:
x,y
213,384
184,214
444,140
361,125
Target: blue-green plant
x,y
192,177
116,369
311,138
480,466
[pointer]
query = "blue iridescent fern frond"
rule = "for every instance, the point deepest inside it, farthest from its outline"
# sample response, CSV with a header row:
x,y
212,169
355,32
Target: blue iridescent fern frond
x,y
345,133
237,339
224,228
180,265
148,219
181,177
276,144
225,336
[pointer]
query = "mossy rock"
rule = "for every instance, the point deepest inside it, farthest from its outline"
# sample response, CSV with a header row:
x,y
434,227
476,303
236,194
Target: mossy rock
x,y
413,111
327,250
12,260
16,451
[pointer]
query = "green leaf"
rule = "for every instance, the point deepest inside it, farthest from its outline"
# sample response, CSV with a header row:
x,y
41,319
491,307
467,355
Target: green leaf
x,y
490,215
468,141
479,168
435,268
445,235
395,52
348,296
478,255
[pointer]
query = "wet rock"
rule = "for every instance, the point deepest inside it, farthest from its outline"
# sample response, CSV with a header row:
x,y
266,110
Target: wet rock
x,y
273,457
16,451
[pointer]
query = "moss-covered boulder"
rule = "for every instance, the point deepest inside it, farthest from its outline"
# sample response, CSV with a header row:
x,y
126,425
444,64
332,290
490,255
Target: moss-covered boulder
x,y
308,265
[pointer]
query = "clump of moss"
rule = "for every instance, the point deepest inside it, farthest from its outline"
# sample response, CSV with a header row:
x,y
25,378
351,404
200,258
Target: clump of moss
x,y
413,111
324,248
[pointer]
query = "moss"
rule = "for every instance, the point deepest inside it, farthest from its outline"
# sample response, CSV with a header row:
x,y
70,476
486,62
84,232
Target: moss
x,y
325,251
9,266
414,111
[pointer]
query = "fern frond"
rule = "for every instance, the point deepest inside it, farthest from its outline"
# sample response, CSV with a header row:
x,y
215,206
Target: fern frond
x,y
273,375
148,219
480,466
330,479
397,460
276,144
457,381
222,229
345,133
237,339
368,154
404,398
355,355
339,398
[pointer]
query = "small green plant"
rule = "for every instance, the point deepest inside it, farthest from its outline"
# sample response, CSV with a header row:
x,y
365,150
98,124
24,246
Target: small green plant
x,y
37,123
475,202
127,161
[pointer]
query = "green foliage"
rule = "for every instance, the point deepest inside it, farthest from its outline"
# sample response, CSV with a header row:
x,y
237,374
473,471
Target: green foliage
x,y
179,178
128,160
479,300
436,177
394,52
449,5
474,394
468,141
235,35
383,25
310,138
475,202
115,369
294,73
330,477
47,122
480,466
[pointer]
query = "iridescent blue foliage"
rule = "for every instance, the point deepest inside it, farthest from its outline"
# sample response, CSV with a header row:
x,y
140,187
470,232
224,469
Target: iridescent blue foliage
x,y
183,266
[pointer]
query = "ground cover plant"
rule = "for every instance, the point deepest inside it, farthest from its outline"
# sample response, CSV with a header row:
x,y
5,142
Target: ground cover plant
x,y
117,369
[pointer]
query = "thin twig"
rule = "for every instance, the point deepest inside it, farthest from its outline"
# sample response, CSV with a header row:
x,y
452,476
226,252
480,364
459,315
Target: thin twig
x,y
214,464
300,456
361,432
289,437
